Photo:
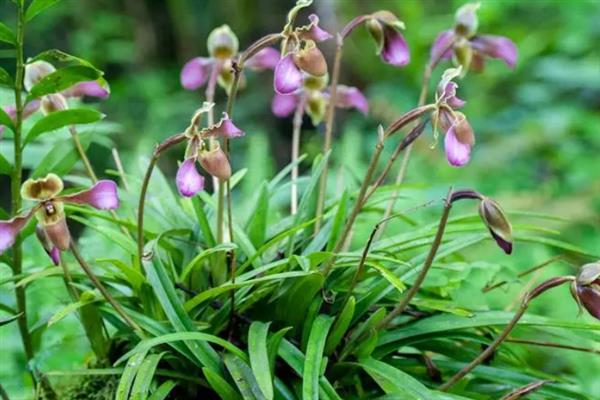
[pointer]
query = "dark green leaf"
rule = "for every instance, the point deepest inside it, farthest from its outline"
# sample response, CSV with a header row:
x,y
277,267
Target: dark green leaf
x,y
257,225
6,120
6,79
60,119
243,378
220,385
6,34
341,325
144,377
338,221
7,320
37,6
5,166
163,390
393,380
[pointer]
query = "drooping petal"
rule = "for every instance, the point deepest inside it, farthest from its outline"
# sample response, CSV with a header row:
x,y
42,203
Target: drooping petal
x,y
589,297
506,246
457,153
89,88
284,105
441,48
287,77
351,97
224,128
450,96
54,255
312,31
49,247
195,73
103,196
188,180
266,58
58,233
496,47
395,50
10,229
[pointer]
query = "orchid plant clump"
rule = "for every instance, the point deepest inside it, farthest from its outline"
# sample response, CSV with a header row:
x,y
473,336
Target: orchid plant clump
x,y
220,296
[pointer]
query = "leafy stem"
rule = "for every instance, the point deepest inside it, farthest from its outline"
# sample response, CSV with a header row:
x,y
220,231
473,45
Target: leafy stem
x,y
504,334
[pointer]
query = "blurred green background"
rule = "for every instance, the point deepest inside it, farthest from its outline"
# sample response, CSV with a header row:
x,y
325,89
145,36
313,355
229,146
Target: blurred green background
x,y
537,128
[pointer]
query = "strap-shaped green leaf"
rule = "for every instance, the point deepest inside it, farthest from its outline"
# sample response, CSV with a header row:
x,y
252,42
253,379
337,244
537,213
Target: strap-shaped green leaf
x,y
314,357
259,357
60,119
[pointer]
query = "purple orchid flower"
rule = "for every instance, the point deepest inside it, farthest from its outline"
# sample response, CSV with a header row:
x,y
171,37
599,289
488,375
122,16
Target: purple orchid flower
x,y
469,49
223,50
314,97
35,72
205,151
586,288
459,136
49,210
301,56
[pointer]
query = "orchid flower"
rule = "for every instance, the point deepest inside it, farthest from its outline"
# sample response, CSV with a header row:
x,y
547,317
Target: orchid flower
x,y
586,288
315,97
300,56
459,137
53,231
223,50
36,71
469,49
208,153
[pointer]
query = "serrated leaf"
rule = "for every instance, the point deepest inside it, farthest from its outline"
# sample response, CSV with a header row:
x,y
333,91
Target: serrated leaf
x,y
60,119
259,357
6,34
314,357
62,79
38,6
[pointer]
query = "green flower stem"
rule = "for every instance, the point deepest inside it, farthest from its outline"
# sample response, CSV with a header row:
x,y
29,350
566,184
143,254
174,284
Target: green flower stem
x,y
16,178
504,334
296,131
171,141
98,284
329,130
437,241
84,158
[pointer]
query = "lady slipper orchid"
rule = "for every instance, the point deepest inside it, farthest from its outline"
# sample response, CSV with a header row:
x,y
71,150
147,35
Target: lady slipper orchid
x,y
204,151
586,288
300,56
314,97
49,210
459,136
36,71
223,47
385,29
469,49
494,218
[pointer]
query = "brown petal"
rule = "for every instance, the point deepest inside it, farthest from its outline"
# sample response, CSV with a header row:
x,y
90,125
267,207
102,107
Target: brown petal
x,y
42,189
311,60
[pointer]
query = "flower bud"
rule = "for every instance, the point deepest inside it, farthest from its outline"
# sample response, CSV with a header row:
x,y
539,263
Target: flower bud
x,y
215,162
222,43
35,72
587,288
54,102
310,59
466,20
493,217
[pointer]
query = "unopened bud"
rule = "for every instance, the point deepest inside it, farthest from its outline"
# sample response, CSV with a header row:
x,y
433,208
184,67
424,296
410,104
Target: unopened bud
x,y
310,59
54,102
215,162
493,217
222,43
35,72
587,288
466,20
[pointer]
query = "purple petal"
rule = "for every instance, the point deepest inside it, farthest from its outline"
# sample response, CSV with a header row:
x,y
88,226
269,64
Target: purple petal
x,y
457,153
504,245
284,105
351,97
288,77
224,128
195,73
10,229
266,58
496,47
395,49
590,298
89,88
188,180
442,43
450,96
54,255
103,195
315,32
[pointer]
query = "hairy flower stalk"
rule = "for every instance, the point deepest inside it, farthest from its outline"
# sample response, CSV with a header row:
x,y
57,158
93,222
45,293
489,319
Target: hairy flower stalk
x,y
549,284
